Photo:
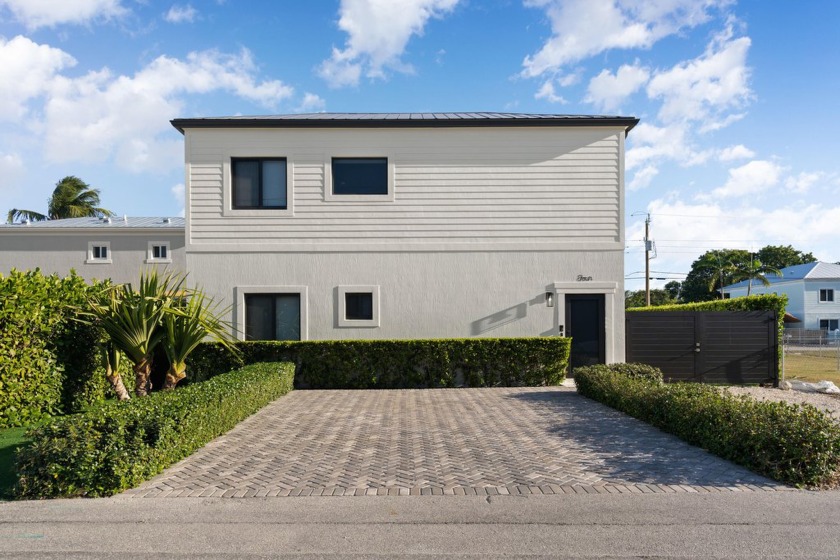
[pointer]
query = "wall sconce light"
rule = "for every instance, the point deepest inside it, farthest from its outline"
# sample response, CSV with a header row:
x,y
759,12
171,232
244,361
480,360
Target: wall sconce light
x,y
549,299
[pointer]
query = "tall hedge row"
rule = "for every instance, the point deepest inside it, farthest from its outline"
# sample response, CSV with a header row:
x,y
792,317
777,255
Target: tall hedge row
x,y
49,364
396,364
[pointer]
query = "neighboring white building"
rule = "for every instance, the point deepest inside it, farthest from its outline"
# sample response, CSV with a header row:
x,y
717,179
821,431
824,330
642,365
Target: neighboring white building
x,y
116,248
813,292
377,226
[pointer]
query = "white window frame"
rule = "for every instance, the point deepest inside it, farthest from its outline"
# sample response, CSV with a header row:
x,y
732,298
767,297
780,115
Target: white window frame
x,y
341,308
91,245
239,293
328,183
150,254
227,186
819,295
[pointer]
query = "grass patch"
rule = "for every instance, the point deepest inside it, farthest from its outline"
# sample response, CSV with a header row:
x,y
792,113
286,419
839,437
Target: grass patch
x,y
812,366
10,440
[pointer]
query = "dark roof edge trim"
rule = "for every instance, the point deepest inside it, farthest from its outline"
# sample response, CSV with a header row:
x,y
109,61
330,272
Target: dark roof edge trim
x,y
180,124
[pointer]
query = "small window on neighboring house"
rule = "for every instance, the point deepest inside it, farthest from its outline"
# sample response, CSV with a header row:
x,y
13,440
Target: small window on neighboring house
x,y
99,252
826,295
259,183
829,324
158,252
360,176
358,306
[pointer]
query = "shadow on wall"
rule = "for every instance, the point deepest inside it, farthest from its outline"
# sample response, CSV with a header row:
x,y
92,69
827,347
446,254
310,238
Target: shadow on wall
x,y
504,317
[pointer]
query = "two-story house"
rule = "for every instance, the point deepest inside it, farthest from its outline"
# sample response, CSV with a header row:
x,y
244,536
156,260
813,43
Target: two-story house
x,y
411,225
118,248
813,292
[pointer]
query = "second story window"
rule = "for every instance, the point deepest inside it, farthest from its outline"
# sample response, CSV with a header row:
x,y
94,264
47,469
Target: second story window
x,y
826,295
99,252
158,252
360,176
259,183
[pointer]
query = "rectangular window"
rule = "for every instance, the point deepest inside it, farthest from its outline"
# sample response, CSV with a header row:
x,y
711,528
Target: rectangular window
x,y
99,252
826,295
358,306
272,317
259,183
158,252
360,176
829,324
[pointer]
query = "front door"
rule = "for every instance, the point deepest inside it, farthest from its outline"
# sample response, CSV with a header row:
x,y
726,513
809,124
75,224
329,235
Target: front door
x,y
585,324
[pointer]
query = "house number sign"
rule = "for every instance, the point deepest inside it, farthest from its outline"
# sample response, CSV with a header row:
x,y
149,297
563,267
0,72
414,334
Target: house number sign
x,y
582,278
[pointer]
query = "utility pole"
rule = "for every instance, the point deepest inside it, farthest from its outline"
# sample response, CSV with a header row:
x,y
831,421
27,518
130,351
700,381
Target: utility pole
x,y
647,261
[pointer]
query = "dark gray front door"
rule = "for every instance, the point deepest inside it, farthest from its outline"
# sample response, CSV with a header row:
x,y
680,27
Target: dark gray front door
x,y
585,324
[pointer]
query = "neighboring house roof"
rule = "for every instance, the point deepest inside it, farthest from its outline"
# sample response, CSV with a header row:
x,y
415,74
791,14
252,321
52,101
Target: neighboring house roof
x,y
99,223
403,120
809,271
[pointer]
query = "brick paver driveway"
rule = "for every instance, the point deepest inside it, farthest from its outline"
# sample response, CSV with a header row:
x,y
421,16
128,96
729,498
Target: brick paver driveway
x,y
445,441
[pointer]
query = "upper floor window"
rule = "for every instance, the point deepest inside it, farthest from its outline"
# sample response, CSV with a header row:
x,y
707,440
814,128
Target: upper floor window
x,y
360,176
158,252
259,183
826,295
99,252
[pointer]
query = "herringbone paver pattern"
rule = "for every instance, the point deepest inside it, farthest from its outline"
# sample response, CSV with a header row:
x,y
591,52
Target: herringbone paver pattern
x,y
445,441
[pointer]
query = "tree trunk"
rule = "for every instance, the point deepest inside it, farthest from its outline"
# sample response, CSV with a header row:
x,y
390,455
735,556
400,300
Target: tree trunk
x,y
142,371
115,379
175,374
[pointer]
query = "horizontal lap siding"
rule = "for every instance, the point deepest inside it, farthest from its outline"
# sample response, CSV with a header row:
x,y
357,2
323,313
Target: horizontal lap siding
x,y
459,186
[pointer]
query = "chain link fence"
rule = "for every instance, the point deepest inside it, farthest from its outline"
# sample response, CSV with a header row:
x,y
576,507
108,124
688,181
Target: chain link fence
x,y
812,355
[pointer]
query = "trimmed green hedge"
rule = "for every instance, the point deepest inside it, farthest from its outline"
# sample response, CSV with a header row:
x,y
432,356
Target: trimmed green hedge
x,y
398,364
49,364
798,445
120,444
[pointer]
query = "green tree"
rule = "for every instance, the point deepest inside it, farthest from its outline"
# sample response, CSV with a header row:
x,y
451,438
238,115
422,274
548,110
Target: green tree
x,y
709,272
637,298
72,198
753,270
673,288
781,256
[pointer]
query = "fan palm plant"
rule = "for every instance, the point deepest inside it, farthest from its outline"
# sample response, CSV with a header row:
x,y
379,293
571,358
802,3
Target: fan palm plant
x,y
111,361
186,324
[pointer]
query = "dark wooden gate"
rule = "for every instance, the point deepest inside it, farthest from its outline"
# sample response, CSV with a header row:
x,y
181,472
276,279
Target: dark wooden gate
x,y
734,347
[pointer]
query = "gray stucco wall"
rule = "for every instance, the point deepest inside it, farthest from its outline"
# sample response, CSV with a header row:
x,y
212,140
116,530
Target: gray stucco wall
x,y
59,251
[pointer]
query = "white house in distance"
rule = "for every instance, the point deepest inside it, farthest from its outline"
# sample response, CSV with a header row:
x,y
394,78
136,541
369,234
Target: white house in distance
x,y
410,225
116,248
813,292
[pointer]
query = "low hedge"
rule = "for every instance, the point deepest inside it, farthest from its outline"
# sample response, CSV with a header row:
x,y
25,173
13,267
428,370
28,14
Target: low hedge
x,y
798,445
398,364
120,444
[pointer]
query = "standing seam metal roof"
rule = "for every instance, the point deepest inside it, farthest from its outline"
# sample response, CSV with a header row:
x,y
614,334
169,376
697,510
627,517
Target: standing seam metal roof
x,y
97,223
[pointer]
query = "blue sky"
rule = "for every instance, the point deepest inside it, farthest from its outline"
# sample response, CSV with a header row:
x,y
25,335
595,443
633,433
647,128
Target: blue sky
x,y
737,99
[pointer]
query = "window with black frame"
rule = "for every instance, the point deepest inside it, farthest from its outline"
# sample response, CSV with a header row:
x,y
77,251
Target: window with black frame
x,y
259,183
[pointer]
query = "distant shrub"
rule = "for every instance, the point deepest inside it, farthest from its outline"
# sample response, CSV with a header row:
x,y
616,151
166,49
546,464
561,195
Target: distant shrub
x,y
394,364
117,445
798,445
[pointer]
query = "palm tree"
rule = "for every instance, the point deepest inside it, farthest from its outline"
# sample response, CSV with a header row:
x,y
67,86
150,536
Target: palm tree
x,y
111,360
186,324
72,198
132,319
719,272
754,270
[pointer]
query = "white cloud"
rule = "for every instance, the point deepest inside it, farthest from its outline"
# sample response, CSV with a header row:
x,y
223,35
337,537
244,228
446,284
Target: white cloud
x,y
751,178
178,191
703,89
49,13
584,28
643,177
379,31
802,182
732,153
311,103
181,14
608,90
99,115
650,143
11,169
27,70
547,92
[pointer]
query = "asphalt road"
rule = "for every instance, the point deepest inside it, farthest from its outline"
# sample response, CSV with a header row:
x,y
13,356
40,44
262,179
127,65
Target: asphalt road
x,y
715,525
